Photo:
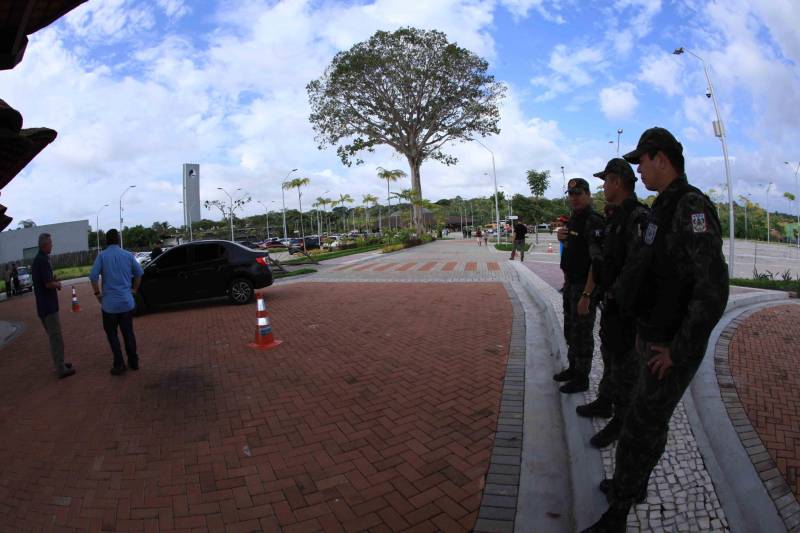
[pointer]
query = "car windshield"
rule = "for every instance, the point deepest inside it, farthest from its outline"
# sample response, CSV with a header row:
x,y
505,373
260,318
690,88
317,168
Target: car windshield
x,y
22,271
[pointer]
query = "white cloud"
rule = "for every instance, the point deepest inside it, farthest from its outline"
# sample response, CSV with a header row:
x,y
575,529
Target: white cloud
x,y
618,101
663,71
570,69
174,9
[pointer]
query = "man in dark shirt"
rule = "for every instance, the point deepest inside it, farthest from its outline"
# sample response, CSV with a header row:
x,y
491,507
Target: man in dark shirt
x,y
520,230
156,251
45,288
676,286
583,238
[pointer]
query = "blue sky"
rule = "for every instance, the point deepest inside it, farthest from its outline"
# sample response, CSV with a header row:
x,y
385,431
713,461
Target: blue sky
x,y
136,88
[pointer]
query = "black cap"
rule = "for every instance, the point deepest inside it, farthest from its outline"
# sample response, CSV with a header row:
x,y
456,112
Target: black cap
x,y
576,184
654,139
620,167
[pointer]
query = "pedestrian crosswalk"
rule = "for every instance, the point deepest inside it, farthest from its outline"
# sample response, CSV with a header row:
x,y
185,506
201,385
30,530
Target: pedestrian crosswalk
x,y
421,266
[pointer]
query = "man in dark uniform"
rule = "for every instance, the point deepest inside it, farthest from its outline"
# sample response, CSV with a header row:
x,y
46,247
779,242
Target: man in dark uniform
x,y
520,230
626,218
680,260
582,236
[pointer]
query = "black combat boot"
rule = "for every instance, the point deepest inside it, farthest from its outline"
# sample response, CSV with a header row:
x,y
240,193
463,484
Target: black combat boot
x,y
607,488
565,375
608,434
576,385
600,408
613,521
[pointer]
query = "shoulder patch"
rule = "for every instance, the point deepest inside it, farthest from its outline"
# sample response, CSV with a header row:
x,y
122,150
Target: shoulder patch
x,y
699,223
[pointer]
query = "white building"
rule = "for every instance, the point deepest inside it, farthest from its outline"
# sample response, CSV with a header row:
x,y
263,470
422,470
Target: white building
x,y
23,244
191,193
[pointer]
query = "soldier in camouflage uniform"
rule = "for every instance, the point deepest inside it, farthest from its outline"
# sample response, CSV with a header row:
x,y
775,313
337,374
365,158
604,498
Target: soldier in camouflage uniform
x,y
626,218
583,236
676,284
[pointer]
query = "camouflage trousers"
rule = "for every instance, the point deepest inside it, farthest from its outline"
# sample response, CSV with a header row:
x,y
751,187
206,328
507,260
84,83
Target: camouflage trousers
x,y
620,362
578,330
644,431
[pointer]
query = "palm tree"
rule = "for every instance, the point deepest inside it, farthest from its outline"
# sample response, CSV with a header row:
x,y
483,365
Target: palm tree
x,y
368,199
324,202
390,176
343,199
297,183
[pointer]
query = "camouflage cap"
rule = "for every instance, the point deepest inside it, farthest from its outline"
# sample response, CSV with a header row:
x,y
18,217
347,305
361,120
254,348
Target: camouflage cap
x,y
620,167
654,139
577,184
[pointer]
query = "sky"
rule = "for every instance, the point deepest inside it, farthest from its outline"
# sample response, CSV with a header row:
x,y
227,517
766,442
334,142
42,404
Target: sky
x,y
136,88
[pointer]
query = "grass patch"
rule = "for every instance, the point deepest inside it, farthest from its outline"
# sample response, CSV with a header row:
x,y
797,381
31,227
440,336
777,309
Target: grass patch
x,y
772,284
333,255
298,272
62,274
507,247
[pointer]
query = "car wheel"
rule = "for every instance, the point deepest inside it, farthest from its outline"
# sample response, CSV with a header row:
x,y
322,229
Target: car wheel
x,y
240,291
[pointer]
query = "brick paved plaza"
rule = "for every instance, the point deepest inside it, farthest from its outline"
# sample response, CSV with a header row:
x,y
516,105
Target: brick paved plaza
x,y
387,408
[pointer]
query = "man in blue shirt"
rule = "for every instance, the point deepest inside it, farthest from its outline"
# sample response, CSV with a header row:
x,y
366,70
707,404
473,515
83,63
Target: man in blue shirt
x,y
46,287
121,275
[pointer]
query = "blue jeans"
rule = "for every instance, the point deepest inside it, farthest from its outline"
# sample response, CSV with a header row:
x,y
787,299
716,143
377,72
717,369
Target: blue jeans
x,y
123,321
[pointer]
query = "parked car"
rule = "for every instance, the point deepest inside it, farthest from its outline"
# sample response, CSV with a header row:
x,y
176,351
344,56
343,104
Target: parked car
x,y
142,257
204,269
274,243
25,279
296,245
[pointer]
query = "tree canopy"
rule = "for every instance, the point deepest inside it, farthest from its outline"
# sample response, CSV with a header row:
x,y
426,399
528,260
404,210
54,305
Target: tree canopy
x,y
409,89
538,181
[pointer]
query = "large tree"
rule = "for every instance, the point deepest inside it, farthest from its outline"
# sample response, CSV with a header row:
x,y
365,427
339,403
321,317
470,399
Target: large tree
x,y
411,90
538,181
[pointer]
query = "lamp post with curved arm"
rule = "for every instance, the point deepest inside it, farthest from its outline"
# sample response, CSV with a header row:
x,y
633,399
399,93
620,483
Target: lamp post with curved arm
x,y
496,204
719,131
120,212
796,199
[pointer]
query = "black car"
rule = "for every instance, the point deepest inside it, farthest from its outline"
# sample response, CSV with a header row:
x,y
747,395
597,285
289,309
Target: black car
x,y
204,269
296,245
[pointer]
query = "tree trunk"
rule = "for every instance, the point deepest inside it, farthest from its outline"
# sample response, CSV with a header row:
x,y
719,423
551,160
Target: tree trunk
x,y
416,189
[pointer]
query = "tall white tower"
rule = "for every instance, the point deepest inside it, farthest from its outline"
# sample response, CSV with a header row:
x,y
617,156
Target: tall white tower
x,y
191,194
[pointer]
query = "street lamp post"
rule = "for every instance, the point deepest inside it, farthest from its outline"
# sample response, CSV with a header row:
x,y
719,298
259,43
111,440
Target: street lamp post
x,y
766,204
719,131
266,212
319,222
230,210
796,199
283,201
120,212
496,208
97,225
619,132
564,183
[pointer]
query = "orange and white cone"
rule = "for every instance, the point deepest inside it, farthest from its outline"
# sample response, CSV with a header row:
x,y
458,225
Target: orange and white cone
x,y
549,248
76,306
264,337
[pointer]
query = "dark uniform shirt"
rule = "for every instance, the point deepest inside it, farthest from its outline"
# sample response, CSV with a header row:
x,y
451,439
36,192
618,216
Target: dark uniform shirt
x,y
42,273
625,224
677,281
583,245
520,230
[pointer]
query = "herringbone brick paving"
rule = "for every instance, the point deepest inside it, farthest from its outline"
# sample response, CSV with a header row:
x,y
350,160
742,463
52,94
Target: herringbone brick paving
x,y
377,413
764,358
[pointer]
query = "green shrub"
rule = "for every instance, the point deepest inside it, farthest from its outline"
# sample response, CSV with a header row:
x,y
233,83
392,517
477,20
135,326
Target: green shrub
x,y
507,247
766,283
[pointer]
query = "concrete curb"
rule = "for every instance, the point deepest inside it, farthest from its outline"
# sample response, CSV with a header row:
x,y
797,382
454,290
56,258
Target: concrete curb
x,y
585,462
748,506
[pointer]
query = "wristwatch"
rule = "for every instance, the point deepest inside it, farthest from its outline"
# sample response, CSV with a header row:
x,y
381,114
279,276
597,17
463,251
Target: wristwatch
x,y
587,294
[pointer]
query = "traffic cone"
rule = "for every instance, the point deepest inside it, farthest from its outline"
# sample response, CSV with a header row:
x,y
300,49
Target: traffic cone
x,y
264,338
76,306
549,247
